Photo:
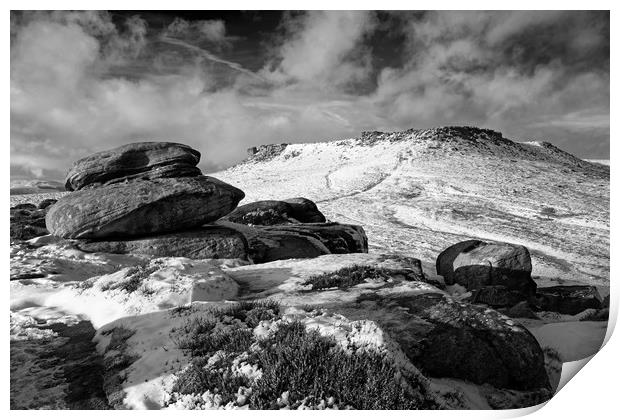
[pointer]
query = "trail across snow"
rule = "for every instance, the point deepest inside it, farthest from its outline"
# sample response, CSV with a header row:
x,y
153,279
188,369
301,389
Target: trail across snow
x,y
417,195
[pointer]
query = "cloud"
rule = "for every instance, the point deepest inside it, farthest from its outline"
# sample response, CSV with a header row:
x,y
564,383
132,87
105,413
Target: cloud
x,y
83,81
499,69
323,48
65,105
213,31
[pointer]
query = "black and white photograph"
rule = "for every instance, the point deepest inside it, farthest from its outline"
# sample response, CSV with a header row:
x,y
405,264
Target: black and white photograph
x,y
306,209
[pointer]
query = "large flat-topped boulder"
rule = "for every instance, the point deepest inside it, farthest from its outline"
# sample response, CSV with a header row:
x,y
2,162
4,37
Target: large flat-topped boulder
x,y
142,207
265,246
303,240
339,238
274,212
207,242
145,160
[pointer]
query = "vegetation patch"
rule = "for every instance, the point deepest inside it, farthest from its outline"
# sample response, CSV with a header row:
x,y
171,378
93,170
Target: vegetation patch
x,y
206,335
348,277
291,366
311,369
263,217
134,278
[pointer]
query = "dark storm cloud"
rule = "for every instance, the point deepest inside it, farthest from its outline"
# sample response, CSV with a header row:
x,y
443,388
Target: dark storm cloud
x,y
223,81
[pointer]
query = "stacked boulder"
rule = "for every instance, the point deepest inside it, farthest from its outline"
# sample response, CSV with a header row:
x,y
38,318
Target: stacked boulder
x,y
150,198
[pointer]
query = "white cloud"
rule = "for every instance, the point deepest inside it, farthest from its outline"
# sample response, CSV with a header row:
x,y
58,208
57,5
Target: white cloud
x,y
321,49
66,103
210,30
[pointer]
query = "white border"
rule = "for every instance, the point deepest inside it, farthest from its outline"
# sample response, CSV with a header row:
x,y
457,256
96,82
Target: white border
x,y
592,395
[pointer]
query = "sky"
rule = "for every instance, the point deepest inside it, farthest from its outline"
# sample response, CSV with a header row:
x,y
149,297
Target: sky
x,y
224,81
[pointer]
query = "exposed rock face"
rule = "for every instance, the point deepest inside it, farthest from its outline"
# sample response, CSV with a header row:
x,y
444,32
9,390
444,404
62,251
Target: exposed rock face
x,y
269,212
46,203
521,310
147,160
441,336
476,264
497,296
265,152
308,240
337,237
207,242
606,301
445,260
272,212
27,222
305,210
265,246
142,207
232,240
445,338
569,300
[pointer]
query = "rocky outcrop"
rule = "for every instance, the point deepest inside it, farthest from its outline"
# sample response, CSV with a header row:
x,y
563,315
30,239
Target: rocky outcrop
x,y
207,242
445,260
27,222
339,238
521,310
46,203
273,212
142,207
569,300
308,240
231,240
146,160
305,210
476,264
441,336
445,338
497,296
160,213
265,246
265,152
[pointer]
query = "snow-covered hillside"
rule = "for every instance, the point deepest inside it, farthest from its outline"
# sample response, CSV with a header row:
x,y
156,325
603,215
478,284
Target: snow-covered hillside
x,y
418,191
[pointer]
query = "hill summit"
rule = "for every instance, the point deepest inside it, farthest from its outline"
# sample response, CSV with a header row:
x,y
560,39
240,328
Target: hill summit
x,y
419,190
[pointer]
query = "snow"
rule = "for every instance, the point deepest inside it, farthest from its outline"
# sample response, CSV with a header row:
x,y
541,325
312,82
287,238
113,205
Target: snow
x,y
90,285
284,281
152,375
418,196
574,340
599,161
150,378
